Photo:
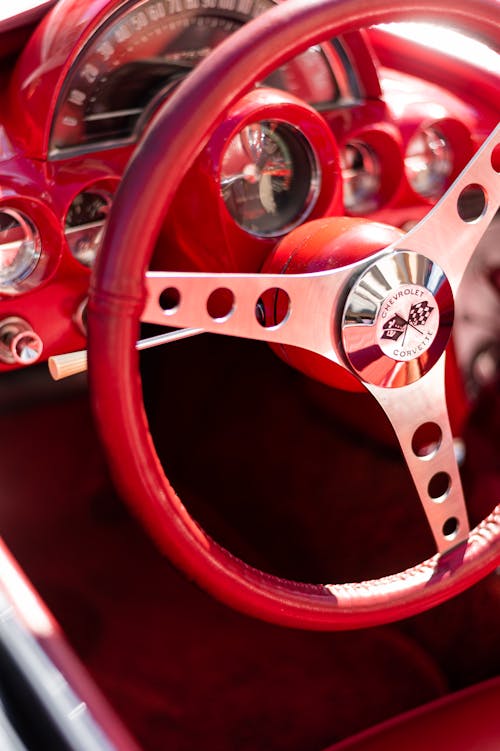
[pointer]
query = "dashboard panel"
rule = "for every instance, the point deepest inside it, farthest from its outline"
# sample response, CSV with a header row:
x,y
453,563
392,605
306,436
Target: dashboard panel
x,y
142,52
330,132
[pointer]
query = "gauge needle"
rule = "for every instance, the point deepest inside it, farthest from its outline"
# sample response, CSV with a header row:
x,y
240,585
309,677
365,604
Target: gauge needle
x,y
71,363
252,174
277,171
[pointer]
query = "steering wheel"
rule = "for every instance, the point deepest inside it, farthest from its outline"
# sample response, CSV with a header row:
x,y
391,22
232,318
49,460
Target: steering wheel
x,y
386,318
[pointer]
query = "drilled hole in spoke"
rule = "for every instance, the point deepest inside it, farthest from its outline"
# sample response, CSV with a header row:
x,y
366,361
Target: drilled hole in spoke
x,y
427,440
495,158
272,308
220,304
471,203
439,486
169,299
450,528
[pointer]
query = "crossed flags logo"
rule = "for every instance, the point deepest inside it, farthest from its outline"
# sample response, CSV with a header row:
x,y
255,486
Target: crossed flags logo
x,y
419,313
396,326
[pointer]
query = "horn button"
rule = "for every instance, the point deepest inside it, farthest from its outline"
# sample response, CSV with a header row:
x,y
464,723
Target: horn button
x,y
397,319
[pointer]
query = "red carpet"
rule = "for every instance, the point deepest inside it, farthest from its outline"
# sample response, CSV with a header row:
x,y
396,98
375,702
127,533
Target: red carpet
x,y
275,477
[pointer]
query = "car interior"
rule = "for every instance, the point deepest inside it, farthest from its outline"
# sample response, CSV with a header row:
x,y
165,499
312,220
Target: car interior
x,y
249,353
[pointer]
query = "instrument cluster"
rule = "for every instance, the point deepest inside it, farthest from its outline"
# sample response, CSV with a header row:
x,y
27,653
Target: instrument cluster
x,y
142,51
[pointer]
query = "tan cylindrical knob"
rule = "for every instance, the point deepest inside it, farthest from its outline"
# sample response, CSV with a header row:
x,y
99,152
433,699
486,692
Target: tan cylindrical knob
x,y
62,366
69,364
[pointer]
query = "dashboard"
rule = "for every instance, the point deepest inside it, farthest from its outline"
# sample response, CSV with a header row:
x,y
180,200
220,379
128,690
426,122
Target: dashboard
x,y
331,132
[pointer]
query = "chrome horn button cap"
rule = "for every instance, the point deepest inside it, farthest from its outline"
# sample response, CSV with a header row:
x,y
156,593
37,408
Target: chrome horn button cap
x,y
397,319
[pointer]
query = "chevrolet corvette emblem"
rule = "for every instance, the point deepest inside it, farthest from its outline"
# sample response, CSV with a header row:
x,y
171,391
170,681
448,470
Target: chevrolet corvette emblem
x,y
397,319
408,322
396,327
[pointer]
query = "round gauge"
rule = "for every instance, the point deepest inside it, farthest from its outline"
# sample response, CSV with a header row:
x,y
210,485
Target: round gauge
x,y
138,56
361,177
429,162
84,224
20,248
269,178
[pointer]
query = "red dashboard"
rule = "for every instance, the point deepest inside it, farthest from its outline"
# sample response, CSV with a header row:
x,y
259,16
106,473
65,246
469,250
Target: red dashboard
x,y
316,192
337,133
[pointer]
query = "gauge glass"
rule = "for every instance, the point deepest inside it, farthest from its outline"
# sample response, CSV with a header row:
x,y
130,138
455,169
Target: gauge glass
x,y
140,54
428,162
20,248
84,224
269,178
360,177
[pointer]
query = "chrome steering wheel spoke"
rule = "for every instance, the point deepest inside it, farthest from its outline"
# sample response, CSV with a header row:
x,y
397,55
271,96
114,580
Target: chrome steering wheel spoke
x,y
295,309
396,324
418,413
451,231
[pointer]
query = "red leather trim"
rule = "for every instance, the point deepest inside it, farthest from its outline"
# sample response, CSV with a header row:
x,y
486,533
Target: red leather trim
x,y
148,187
465,721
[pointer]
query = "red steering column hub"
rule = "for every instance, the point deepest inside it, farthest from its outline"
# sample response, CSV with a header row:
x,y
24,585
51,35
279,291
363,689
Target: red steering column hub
x,y
324,244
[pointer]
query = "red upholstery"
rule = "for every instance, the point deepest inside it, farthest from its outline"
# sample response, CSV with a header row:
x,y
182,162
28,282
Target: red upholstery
x,y
465,721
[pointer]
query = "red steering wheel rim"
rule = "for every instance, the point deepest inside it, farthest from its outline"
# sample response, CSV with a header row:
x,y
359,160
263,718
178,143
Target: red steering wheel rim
x,y
116,302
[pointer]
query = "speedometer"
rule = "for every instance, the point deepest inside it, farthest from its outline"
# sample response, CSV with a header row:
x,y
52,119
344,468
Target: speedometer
x,y
139,54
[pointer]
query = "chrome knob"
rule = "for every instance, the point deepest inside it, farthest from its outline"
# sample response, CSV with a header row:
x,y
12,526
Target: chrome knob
x,y
19,344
